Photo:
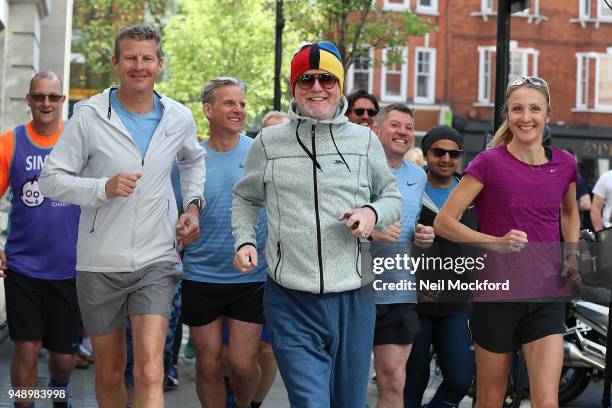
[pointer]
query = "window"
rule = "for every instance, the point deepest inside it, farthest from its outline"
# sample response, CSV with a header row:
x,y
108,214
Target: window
x,y
519,64
396,5
427,7
584,11
523,62
582,81
486,10
360,74
484,74
424,75
603,86
486,6
594,76
394,77
603,11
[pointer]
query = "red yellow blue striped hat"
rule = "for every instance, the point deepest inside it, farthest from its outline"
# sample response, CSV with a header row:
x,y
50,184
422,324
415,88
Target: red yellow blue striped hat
x,y
321,55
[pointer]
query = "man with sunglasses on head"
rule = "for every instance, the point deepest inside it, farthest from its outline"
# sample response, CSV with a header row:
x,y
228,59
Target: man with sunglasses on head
x,y
397,323
326,185
114,160
362,108
41,301
443,316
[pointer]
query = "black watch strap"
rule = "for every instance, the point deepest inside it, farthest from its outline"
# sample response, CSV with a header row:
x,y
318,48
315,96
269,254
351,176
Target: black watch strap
x,y
198,203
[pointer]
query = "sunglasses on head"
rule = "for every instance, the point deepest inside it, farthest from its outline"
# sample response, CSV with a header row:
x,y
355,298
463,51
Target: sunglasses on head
x,y
453,154
41,98
533,80
361,111
306,81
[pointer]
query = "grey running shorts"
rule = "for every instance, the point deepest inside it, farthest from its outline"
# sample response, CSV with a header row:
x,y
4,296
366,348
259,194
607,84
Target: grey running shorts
x,y
107,299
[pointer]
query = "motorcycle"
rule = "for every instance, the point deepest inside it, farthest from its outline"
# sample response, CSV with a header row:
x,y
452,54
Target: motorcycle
x,y
585,339
584,344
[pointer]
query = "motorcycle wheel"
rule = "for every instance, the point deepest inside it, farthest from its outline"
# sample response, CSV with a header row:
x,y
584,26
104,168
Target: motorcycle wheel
x,y
573,381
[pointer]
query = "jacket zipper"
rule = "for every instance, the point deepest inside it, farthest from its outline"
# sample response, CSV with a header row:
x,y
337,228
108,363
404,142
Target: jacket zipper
x,y
358,255
316,205
168,221
137,199
279,254
93,224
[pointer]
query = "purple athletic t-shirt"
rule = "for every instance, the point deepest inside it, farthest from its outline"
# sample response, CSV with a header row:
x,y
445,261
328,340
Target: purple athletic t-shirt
x,y
528,198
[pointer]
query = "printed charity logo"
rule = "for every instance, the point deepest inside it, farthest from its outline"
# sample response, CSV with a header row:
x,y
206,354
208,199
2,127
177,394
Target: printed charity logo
x,y
30,193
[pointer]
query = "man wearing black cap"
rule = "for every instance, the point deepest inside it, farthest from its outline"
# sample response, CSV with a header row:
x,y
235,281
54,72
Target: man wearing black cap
x,y
443,324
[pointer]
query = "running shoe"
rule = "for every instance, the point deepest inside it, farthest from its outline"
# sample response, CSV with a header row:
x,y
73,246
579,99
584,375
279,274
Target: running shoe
x,y
172,381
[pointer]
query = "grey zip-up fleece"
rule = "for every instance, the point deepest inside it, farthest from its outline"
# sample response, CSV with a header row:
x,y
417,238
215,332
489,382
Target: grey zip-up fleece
x,y
124,234
307,173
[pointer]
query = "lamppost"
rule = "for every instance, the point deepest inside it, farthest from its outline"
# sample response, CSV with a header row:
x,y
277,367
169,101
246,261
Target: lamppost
x,y
278,53
504,9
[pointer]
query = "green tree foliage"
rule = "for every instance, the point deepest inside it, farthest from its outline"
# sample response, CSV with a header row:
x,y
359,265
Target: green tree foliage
x,y
210,38
95,23
355,26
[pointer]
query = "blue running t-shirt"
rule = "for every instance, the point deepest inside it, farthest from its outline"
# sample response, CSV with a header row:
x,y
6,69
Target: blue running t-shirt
x,y
440,195
210,258
411,180
140,126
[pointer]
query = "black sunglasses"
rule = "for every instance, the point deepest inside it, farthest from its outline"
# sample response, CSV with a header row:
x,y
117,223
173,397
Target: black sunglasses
x,y
360,111
453,154
306,81
41,98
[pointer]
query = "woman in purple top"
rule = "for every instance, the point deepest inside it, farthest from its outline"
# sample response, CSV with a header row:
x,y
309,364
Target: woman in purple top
x,y
523,192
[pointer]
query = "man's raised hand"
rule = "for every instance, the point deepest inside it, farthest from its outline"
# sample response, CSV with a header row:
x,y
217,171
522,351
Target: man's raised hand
x,y
121,184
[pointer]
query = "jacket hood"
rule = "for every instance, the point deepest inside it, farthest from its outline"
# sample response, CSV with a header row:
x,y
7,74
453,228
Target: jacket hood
x,y
339,119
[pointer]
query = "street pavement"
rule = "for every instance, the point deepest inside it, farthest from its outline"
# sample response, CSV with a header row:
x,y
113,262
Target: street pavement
x,y
185,396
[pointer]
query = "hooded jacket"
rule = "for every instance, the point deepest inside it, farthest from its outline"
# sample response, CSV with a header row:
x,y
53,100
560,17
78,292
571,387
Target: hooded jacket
x,y
450,302
124,233
307,173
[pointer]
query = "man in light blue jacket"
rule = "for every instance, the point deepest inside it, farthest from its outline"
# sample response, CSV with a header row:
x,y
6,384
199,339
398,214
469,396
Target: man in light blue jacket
x,y
325,185
114,160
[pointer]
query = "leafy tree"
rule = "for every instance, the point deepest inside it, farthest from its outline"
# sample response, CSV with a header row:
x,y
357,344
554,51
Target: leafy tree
x,y
355,26
95,23
209,38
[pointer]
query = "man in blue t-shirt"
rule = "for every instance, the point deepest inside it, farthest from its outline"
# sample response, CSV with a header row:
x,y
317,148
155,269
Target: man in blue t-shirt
x,y
397,323
212,289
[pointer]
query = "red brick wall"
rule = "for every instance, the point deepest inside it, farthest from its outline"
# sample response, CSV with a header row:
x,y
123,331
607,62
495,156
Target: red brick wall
x,y
557,39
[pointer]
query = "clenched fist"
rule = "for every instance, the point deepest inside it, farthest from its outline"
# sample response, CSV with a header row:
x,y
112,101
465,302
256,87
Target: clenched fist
x,y
121,184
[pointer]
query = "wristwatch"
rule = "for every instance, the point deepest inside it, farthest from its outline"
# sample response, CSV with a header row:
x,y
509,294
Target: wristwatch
x,y
570,252
198,202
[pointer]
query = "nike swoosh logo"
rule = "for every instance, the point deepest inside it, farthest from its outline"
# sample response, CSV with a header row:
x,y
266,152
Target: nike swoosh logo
x,y
338,162
553,170
241,165
410,184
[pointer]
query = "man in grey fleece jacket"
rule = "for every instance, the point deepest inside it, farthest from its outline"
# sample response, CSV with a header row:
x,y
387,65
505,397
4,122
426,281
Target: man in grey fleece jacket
x,y
325,184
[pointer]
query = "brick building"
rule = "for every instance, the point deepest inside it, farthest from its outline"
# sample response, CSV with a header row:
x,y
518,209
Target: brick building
x,y
450,73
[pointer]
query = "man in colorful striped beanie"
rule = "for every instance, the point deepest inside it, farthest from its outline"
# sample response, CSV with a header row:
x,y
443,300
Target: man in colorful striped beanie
x,y
325,184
